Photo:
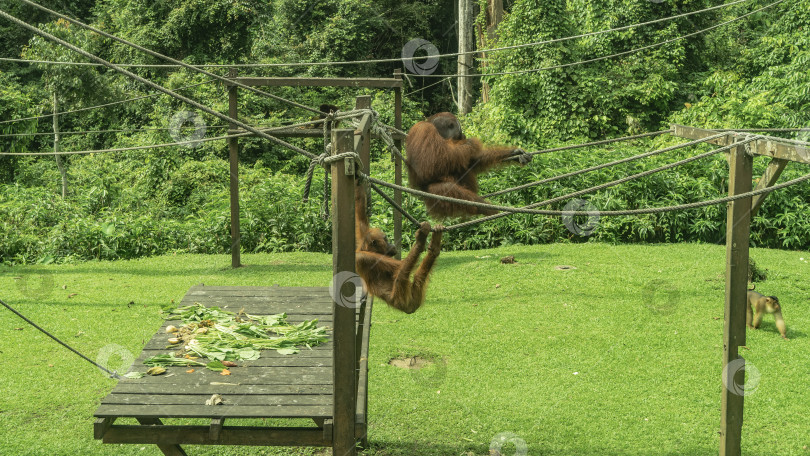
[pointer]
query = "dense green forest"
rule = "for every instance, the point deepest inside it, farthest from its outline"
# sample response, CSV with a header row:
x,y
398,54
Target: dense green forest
x,y
752,72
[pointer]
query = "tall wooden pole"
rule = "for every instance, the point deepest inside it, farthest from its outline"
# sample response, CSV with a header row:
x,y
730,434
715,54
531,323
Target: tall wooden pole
x,y
398,166
738,227
57,146
363,102
233,152
465,60
343,245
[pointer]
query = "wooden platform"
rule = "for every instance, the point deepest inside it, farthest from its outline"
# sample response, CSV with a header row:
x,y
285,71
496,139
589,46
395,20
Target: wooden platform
x,y
273,386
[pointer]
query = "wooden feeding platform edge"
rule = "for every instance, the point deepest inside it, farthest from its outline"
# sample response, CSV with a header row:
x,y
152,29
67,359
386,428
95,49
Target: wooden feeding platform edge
x,y
273,386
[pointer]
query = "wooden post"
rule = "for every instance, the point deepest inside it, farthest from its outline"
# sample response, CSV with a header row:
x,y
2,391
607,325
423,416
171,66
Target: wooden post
x,y
345,361
233,152
737,238
363,147
398,166
56,144
465,60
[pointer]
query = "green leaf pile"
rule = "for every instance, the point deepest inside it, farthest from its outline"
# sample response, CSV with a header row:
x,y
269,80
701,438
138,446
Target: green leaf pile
x,y
219,335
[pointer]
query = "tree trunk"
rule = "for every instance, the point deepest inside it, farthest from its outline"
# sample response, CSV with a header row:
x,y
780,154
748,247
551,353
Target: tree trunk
x,y
56,147
494,16
465,61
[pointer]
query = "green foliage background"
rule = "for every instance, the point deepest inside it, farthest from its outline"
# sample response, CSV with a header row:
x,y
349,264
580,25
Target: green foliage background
x,y
751,73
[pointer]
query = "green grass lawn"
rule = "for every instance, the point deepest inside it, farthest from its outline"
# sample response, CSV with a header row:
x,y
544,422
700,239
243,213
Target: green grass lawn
x,y
620,356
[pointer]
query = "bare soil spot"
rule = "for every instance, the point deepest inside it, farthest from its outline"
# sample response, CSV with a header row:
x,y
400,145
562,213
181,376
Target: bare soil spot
x,y
411,362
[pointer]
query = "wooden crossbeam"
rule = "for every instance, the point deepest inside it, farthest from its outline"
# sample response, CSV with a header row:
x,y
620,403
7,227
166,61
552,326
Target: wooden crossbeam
x,y
780,152
769,147
322,82
170,437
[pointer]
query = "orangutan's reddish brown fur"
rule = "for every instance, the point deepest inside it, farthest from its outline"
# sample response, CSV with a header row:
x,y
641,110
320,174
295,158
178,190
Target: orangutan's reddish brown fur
x,y
442,161
385,276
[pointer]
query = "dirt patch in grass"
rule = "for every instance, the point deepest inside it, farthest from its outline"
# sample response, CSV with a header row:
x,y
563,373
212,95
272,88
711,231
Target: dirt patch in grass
x,y
411,362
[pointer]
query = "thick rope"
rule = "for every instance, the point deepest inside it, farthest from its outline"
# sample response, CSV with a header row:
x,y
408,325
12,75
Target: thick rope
x,y
604,165
595,143
113,374
506,210
525,210
89,132
310,172
382,130
180,143
113,103
393,203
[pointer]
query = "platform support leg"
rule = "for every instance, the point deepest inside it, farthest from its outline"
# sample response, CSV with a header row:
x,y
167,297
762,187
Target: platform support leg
x,y
168,450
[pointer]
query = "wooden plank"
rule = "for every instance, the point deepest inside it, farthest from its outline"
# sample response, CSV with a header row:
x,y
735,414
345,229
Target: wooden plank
x,y
300,132
159,342
233,159
208,389
768,179
737,239
167,449
321,82
101,426
785,151
700,133
216,428
181,398
343,243
271,358
252,376
292,318
229,435
207,411
274,386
